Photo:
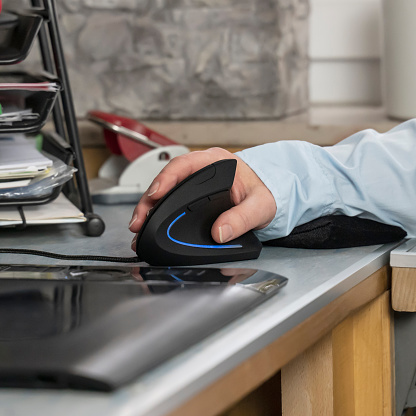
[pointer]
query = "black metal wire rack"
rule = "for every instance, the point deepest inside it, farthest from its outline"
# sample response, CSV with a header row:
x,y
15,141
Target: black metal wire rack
x,y
41,22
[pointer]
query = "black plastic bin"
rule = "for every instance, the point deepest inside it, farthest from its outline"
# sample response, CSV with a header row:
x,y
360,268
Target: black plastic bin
x,y
17,35
55,146
40,102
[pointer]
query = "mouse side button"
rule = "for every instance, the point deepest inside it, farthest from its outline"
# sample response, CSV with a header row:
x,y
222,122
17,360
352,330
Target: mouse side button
x,y
198,204
218,195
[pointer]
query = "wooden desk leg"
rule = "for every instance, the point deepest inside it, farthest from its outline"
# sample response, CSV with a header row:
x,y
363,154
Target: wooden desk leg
x,y
348,372
307,382
403,289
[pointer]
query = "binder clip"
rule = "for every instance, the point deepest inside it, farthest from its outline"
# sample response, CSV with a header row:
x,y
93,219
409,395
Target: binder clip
x,y
138,154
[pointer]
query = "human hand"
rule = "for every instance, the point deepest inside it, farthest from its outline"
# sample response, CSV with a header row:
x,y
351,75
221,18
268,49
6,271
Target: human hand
x,y
254,205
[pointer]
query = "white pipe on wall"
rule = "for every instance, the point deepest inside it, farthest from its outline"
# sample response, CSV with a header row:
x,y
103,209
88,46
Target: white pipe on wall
x,y
400,57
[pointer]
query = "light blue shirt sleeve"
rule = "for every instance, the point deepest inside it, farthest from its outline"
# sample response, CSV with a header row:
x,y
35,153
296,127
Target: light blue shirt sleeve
x,y
371,175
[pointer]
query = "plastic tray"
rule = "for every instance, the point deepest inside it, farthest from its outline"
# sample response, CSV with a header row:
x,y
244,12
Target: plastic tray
x,y
40,102
17,37
56,146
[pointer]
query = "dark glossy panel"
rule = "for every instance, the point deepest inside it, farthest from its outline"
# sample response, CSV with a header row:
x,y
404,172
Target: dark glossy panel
x,y
102,327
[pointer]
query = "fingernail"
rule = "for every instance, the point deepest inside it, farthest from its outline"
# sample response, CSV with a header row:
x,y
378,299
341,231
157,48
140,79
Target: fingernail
x,y
226,233
133,220
153,189
133,243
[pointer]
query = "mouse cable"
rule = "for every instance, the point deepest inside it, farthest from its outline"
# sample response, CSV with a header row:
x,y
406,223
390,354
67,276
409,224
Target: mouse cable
x,y
69,256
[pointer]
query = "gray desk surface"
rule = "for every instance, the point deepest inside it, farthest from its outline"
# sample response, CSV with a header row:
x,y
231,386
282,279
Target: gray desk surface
x,y
404,255
316,277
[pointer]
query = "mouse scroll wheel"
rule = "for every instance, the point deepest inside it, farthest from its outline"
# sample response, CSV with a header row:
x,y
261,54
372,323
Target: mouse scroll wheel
x,y
205,175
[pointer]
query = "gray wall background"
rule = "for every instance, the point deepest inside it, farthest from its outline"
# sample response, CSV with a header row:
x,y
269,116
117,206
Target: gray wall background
x,y
186,59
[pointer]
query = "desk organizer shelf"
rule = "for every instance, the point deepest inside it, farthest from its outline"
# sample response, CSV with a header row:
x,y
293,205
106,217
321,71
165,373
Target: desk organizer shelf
x,y
50,93
53,145
18,93
17,35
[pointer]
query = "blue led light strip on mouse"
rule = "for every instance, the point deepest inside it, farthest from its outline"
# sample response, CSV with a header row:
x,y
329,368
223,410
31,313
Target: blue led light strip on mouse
x,y
176,278
197,245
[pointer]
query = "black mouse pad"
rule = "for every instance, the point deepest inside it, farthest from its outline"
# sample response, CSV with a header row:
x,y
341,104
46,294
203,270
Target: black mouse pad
x,y
102,327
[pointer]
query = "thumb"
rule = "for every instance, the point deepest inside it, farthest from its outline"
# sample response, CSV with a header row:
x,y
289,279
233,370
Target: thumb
x,y
238,220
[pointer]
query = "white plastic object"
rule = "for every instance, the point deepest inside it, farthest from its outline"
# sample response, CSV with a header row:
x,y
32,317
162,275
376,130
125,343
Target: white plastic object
x,y
400,58
122,182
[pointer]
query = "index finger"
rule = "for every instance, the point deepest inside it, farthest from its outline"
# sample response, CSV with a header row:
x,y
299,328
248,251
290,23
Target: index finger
x,y
181,167
173,173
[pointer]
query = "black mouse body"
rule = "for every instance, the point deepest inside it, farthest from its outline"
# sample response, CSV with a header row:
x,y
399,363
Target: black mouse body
x,y
177,231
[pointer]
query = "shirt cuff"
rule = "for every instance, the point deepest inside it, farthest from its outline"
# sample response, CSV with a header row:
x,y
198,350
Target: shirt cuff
x,y
300,187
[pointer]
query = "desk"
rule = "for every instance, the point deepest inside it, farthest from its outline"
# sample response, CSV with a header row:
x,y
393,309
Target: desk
x,y
403,295
403,261
329,331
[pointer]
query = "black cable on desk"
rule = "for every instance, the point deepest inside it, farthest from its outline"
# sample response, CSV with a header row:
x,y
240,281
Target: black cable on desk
x,y
69,256
23,217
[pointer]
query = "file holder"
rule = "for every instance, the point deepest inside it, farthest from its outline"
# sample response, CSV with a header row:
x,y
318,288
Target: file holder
x,y
18,39
42,22
39,102
8,22
55,146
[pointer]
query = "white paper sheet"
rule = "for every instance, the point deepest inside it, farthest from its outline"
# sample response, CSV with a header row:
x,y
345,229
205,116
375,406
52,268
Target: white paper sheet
x,y
61,210
18,155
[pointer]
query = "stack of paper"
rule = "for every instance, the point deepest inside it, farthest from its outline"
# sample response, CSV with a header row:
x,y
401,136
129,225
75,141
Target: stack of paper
x,y
12,115
20,162
19,159
13,183
29,86
59,211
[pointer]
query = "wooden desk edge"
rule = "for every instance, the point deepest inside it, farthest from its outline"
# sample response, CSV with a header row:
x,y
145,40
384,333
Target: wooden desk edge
x,y
260,367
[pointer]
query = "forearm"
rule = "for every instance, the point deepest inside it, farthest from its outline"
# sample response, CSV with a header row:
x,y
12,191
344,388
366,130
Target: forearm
x,y
370,175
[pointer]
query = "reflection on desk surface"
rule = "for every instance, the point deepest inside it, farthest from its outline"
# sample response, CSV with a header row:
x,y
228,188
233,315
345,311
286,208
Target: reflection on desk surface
x,y
102,327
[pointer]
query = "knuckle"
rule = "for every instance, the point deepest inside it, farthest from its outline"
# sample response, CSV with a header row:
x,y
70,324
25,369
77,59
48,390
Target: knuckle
x,y
245,220
181,162
218,151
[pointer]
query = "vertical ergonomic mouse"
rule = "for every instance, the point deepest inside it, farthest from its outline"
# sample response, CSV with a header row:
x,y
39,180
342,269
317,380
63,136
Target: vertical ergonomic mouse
x,y
177,231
